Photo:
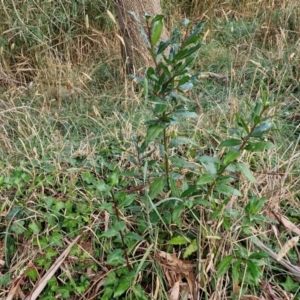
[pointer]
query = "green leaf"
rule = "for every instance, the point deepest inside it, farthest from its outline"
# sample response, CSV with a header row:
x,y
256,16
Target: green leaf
x,y
116,257
122,287
111,232
195,34
290,285
258,255
190,249
241,123
228,190
206,178
245,171
254,270
259,146
224,265
35,227
18,227
160,108
179,240
236,272
186,113
127,200
230,143
5,279
258,131
176,214
153,132
156,187
156,31
231,156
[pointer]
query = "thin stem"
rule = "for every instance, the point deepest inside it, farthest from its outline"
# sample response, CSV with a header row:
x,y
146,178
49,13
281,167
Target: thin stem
x,y
166,156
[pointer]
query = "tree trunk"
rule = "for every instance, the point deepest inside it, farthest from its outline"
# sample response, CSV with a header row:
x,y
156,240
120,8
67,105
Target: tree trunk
x,y
134,49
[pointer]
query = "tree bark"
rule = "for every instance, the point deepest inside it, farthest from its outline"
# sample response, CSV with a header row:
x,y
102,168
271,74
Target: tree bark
x,y
134,49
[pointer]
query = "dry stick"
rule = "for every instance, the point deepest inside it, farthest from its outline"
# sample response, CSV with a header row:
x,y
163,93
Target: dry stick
x,y
295,270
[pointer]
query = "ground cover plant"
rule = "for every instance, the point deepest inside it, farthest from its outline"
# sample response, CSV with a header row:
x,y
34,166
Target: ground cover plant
x,y
179,183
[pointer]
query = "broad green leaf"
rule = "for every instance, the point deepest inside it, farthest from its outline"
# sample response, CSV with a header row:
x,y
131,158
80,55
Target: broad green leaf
x,y
119,225
111,232
206,178
116,258
123,286
179,240
5,279
102,186
32,274
190,191
290,285
35,227
228,190
18,227
254,270
245,171
160,108
230,143
156,187
153,132
157,29
258,131
231,156
224,265
126,200
259,146
190,249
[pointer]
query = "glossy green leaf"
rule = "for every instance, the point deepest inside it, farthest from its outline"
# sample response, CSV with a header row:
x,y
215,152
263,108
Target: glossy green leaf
x,y
230,143
259,146
258,131
156,31
224,265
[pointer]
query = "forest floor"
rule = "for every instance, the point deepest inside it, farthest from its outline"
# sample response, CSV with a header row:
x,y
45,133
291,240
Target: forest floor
x,y
85,215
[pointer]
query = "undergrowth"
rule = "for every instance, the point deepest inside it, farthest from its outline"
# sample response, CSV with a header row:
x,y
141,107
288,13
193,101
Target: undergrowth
x,y
176,184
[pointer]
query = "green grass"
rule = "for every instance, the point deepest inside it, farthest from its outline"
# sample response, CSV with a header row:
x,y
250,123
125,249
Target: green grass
x,y
70,166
